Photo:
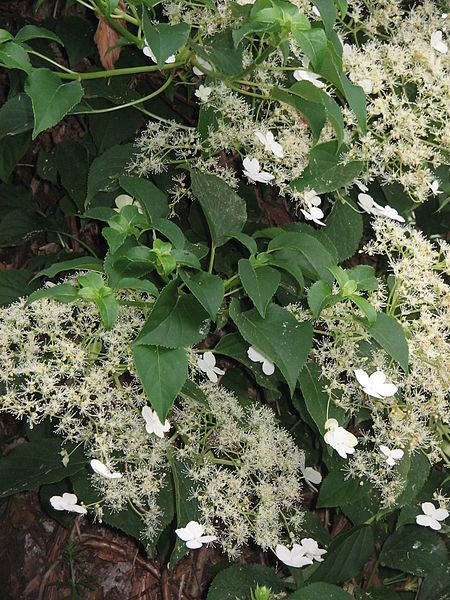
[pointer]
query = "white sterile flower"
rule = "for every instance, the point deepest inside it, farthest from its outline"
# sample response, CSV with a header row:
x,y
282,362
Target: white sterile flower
x,y
192,534
269,143
375,385
366,85
305,75
207,364
244,2
203,63
431,516
253,172
203,93
267,365
368,204
391,213
292,558
312,477
312,550
437,42
152,422
101,469
67,502
314,214
392,456
339,438
434,187
149,52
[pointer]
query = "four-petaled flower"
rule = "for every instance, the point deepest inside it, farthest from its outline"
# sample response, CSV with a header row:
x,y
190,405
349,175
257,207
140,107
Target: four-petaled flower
x,y
207,364
313,212
267,365
269,143
153,424
305,75
312,550
203,93
101,469
192,534
203,63
375,385
149,52
437,43
339,438
392,456
434,187
293,558
67,502
431,516
368,204
253,172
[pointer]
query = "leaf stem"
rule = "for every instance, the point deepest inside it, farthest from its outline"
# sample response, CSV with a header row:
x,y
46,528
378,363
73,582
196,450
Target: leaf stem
x,y
118,72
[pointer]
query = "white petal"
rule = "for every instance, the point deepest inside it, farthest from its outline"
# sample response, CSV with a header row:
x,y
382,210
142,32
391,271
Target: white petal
x,y
309,545
212,375
312,475
99,468
440,514
183,533
397,454
390,461
193,544
424,520
268,367
195,529
207,539
362,377
254,355
58,503
388,389
385,450
428,508
331,424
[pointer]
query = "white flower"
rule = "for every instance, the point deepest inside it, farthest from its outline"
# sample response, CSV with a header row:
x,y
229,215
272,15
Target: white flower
x,y
203,93
203,63
292,558
316,11
207,364
305,75
437,43
149,52
311,198
312,477
269,143
192,534
368,204
67,502
375,385
101,469
392,456
347,51
245,2
362,186
431,516
339,438
267,365
313,214
434,187
366,85
153,424
252,171
312,550
126,200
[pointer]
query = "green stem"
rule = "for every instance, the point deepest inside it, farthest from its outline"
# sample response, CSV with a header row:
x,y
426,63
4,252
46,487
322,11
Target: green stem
x,y
133,103
118,72
50,61
211,258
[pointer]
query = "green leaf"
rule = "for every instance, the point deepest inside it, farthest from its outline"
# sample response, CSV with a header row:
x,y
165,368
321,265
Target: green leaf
x,y
185,502
186,324
326,171
107,130
237,581
313,42
15,284
50,98
162,372
164,39
152,199
346,556
414,549
335,490
77,35
345,228
83,263
318,403
224,210
279,337
32,32
320,591
313,111
106,169
388,332
133,283
5,36
67,154
36,463
287,260
436,585
222,53
64,292
327,11
313,258
320,296
16,115
207,288
260,284
366,308
12,148
414,471
13,56
108,307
